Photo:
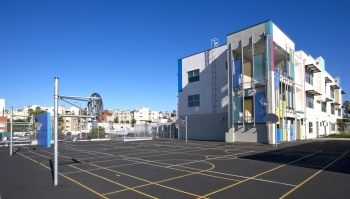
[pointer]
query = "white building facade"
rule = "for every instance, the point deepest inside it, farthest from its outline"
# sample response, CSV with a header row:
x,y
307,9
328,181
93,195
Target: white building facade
x,y
226,91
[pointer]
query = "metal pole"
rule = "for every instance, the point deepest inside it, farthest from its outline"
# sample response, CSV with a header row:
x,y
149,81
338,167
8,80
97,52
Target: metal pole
x,y
229,83
11,131
56,130
242,80
253,74
178,132
186,127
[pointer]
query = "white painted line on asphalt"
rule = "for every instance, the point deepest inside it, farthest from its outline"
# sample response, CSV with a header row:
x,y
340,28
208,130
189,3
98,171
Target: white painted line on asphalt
x,y
209,159
258,179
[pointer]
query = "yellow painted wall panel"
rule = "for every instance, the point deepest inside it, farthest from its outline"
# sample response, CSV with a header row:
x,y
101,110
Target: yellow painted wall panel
x,y
247,73
248,110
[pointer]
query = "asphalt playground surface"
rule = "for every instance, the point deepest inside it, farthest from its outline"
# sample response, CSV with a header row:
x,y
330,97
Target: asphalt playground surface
x,y
176,169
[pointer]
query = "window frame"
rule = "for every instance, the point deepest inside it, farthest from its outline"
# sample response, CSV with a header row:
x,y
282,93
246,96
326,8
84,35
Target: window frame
x,y
193,102
332,109
332,126
310,127
309,77
324,107
192,76
332,93
310,103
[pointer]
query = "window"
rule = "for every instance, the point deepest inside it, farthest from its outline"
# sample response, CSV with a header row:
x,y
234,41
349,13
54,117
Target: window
x,y
324,106
309,77
309,101
193,100
332,109
193,76
332,93
333,126
339,112
310,127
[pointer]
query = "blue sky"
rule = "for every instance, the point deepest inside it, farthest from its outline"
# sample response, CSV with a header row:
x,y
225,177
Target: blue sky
x,y
127,51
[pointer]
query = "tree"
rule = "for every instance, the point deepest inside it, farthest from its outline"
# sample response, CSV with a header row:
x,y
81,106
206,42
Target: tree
x,y
116,120
133,121
60,124
97,133
83,111
346,106
127,121
122,121
341,124
174,111
35,112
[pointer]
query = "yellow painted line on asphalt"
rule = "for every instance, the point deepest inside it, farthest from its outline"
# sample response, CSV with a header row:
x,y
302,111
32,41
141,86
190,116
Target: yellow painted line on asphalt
x,y
28,158
150,183
129,188
221,157
78,183
305,181
240,182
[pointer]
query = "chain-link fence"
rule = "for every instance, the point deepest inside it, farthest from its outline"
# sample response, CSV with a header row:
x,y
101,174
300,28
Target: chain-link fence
x,y
167,131
138,132
22,133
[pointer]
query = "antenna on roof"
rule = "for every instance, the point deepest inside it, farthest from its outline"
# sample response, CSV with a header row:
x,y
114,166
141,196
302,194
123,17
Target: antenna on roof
x,y
214,43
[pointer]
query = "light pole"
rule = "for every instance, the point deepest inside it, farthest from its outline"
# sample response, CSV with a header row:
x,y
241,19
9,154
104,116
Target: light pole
x,y
78,120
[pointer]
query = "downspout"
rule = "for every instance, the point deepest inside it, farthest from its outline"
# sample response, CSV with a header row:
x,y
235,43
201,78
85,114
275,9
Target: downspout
x,y
304,93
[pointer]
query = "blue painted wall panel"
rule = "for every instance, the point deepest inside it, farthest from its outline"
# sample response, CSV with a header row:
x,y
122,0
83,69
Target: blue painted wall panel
x,y
179,75
279,135
277,80
236,73
291,128
289,99
259,68
259,107
237,114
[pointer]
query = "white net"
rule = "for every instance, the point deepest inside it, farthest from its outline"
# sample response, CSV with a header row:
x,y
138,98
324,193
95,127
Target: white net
x,y
38,126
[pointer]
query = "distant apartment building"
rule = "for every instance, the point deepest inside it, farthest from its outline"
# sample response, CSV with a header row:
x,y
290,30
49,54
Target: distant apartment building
x,y
3,118
140,115
2,107
154,115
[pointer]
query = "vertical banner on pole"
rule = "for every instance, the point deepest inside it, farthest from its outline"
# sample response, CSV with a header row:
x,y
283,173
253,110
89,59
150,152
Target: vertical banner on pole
x,y
44,130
